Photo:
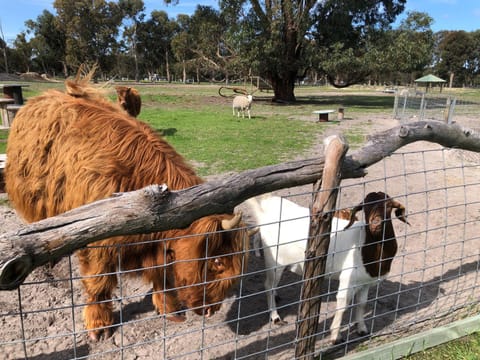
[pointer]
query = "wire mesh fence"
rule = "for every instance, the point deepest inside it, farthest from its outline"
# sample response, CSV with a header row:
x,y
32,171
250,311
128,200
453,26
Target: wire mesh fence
x,y
411,105
433,281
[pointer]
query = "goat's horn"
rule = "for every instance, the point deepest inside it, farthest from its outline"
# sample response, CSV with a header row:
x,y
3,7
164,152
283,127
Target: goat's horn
x,y
233,222
353,213
400,213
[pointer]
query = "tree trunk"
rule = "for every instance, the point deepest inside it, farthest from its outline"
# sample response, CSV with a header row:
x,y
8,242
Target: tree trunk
x,y
167,65
283,86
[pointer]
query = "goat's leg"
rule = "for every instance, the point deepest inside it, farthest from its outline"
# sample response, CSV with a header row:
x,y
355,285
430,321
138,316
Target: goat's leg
x,y
345,294
344,297
361,298
257,244
272,278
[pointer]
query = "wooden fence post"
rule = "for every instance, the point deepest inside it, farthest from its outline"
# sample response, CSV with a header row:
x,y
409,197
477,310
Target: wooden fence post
x,y
326,191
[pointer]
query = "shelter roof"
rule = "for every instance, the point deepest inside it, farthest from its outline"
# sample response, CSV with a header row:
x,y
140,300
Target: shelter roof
x,y
430,79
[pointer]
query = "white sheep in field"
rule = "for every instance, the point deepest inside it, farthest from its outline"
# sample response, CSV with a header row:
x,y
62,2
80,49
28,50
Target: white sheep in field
x,y
242,103
360,252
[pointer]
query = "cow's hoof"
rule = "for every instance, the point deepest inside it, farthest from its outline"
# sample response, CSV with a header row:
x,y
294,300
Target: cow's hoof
x,y
98,335
176,318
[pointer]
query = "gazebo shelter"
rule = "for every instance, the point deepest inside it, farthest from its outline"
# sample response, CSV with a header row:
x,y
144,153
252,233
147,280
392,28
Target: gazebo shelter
x,y
429,80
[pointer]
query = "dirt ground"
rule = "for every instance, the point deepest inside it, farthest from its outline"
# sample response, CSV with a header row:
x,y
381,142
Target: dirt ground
x,y
433,275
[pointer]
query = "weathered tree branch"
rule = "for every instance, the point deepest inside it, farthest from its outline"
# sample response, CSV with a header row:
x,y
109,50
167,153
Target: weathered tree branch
x,y
318,241
156,209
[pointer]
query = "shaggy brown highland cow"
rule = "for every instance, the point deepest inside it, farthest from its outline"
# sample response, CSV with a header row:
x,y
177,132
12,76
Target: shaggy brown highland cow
x,y
69,149
129,99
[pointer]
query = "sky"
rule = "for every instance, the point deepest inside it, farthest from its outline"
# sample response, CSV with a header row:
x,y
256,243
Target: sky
x,y
447,14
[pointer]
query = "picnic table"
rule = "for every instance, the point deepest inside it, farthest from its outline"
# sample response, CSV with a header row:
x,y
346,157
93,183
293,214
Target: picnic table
x,y
3,161
3,110
11,102
323,114
13,91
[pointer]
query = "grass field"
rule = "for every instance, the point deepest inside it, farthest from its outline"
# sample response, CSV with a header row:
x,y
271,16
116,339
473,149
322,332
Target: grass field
x,y
199,123
466,348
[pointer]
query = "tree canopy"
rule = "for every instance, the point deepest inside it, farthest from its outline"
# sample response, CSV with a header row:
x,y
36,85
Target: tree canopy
x,y
340,42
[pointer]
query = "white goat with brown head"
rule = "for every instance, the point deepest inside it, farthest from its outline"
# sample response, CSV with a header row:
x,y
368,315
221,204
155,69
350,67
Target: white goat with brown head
x,y
360,252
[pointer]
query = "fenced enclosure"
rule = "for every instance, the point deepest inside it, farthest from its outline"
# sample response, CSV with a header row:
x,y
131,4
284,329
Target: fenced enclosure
x,y
412,105
434,281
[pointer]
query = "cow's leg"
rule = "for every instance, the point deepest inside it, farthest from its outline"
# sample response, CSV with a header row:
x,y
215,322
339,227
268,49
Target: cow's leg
x,y
164,295
166,301
97,314
362,297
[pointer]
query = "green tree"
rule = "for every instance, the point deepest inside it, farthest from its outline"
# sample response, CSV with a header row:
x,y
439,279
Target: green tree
x,y
182,44
408,50
92,27
282,30
23,53
47,43
133,14
154,43
3,46
210,50
455,58
349,35
475,56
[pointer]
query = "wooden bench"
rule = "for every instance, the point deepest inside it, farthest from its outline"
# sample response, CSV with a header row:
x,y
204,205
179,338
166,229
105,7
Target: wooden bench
x,y
323,114
3,161
13,91
3,110
12,110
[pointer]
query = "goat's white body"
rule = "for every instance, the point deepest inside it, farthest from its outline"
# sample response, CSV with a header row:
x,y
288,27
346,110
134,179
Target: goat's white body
x,y
284,239
242,103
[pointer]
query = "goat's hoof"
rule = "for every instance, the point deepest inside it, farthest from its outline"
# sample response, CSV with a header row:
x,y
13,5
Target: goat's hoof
x,y
362,332
338,341
279,322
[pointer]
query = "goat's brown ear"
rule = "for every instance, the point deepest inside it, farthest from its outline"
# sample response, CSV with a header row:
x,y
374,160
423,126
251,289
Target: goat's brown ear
x,y
353,215
400,211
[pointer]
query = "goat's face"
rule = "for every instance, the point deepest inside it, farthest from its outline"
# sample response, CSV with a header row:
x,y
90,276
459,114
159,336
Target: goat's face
x,y
378,208
380,243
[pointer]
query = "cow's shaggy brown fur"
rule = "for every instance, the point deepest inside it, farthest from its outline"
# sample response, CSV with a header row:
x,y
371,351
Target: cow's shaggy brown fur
x,y
69,149
129,99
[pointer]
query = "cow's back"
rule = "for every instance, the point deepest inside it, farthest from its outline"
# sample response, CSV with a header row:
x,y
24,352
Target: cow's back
x,y
64,151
